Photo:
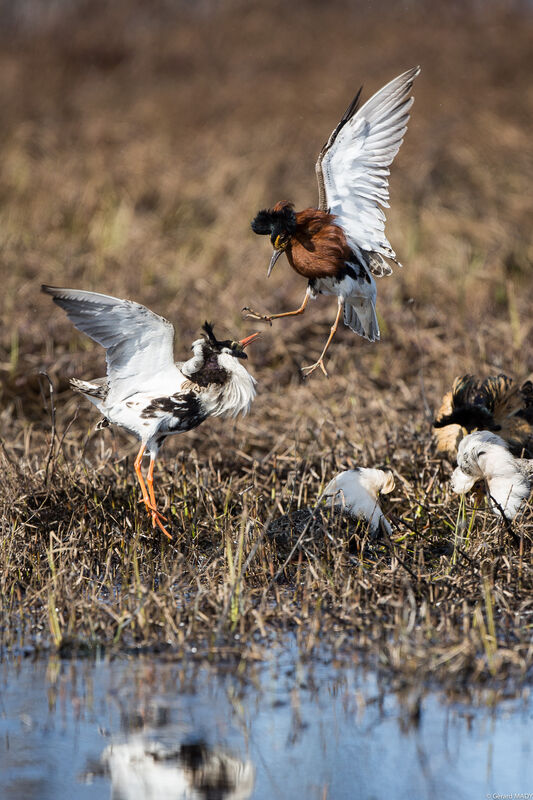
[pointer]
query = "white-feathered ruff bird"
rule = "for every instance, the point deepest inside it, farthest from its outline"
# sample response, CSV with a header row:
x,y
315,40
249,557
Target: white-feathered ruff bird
x,y
341,245
356,492
145,391
486,456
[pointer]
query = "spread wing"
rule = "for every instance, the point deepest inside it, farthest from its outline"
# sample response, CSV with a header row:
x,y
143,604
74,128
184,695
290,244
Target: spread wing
x,y
139,344
352,168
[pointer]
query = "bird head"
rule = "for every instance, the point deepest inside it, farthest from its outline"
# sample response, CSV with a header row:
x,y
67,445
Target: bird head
x,y
233,348
460,482
484,454
279,223
481,455
376,480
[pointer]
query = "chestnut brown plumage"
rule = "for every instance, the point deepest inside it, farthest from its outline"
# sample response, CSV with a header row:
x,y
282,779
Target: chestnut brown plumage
x,y
341,245
317,247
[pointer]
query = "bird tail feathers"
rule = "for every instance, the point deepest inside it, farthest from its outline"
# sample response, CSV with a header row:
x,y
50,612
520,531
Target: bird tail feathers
x,y
360,316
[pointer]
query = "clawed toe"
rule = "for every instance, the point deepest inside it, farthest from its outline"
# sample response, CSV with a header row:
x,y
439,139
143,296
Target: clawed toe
x,y
251,314
153,511
310,369
157,522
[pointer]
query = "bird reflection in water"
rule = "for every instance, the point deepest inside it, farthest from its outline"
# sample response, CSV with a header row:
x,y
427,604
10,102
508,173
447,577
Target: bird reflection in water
x,y
146,769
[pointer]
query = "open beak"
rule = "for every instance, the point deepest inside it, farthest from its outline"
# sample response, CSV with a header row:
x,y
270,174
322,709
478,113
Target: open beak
x,y
275,255
246,341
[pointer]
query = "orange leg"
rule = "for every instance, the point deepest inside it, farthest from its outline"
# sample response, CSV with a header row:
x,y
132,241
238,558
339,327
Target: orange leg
x,y
156,516
137,467
333,331
149,500
269,317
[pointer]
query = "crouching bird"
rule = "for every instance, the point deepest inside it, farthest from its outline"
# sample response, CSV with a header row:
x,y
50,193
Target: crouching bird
x,y
145,391
485,456
355,491
341,245
496,404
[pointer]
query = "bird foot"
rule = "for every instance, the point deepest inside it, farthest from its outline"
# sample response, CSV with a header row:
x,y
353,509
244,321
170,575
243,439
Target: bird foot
x,y
310,369
153,511
251,314
157,522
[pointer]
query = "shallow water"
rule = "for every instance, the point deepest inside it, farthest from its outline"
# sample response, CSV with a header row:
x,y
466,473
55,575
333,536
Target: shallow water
x,y
140,729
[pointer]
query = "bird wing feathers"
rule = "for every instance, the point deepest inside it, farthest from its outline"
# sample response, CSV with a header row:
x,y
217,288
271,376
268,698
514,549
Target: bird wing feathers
x,y
352,168
139,344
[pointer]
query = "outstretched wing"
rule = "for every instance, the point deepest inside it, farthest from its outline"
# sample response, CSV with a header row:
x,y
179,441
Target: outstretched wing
x,y
352,168
139,344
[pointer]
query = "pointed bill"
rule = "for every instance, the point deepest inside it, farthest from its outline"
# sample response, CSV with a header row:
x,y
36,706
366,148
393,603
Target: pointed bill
x,y
246,341
275,255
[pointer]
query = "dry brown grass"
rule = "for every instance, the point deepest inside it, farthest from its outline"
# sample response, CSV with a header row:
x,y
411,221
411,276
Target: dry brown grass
x,y
134,152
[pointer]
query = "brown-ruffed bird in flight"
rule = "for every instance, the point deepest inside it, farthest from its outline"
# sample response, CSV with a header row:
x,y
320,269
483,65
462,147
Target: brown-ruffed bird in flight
x,y
341,245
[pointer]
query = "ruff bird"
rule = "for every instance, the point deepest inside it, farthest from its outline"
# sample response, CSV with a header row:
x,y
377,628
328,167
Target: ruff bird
x,y
485,456
145,391
341,245
355,491
496,404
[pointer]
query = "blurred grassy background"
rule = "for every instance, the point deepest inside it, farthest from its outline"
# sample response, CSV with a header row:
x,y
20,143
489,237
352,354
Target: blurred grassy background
x,y
139,139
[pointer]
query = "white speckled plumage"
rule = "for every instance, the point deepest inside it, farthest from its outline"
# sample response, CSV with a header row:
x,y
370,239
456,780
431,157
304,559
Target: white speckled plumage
x,y
145,391
484,455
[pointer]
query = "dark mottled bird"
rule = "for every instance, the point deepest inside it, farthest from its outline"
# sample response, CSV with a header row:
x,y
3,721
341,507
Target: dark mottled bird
x,y
341,245
145,391
495,404
485,456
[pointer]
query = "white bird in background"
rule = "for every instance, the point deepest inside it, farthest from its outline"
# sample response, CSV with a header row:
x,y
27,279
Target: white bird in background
x,y
356,492
145,391
486,456
341,245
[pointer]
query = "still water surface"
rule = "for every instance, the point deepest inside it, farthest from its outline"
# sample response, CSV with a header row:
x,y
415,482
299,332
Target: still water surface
x,y
141,729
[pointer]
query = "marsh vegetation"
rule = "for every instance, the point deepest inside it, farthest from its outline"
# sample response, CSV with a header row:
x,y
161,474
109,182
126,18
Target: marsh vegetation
x,y
135,148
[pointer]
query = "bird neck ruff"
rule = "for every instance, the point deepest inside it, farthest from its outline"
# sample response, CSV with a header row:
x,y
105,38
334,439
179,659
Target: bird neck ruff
x,y
239,390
